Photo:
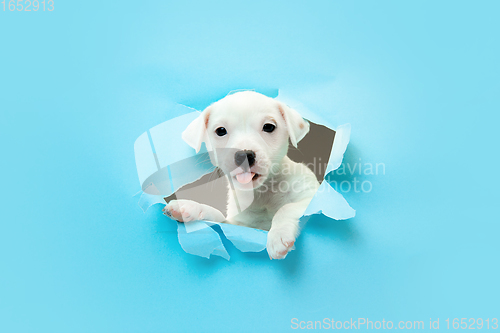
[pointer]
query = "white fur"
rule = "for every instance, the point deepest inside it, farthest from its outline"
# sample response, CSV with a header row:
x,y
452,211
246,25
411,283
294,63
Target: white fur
x,y
282,189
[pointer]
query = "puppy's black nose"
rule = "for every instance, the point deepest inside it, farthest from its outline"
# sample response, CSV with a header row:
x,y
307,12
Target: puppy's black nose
x,y
241,155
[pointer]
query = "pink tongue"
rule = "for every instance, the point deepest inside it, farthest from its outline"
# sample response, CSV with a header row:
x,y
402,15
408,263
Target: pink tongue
x,y
245,178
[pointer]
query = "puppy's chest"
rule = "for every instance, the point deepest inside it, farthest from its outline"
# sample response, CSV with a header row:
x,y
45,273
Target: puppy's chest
x,y
267,204
259,214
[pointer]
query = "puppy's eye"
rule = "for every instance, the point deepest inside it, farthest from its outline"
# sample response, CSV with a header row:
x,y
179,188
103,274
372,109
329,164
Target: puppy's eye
x,y
268,128
221,131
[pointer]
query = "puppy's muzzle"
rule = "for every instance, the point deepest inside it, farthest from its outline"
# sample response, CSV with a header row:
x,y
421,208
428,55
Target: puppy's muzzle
x,y
241,155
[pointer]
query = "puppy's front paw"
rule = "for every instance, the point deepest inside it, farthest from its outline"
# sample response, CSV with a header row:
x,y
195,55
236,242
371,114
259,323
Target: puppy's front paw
x,y
183,210
279,243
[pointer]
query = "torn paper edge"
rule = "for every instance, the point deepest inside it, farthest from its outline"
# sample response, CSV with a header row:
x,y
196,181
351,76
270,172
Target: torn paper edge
x,y
248,240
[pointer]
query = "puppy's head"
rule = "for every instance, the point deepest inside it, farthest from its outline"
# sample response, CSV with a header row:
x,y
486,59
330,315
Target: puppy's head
x,y
247,134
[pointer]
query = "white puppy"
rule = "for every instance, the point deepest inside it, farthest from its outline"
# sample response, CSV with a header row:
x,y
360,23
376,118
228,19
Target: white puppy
x,y
246,135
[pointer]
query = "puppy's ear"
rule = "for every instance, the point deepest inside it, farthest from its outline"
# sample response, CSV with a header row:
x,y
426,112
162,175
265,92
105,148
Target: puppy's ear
x,y
297,126
196,132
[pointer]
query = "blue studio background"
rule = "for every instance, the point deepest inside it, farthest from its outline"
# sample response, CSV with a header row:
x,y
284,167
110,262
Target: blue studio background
x,y
418,81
